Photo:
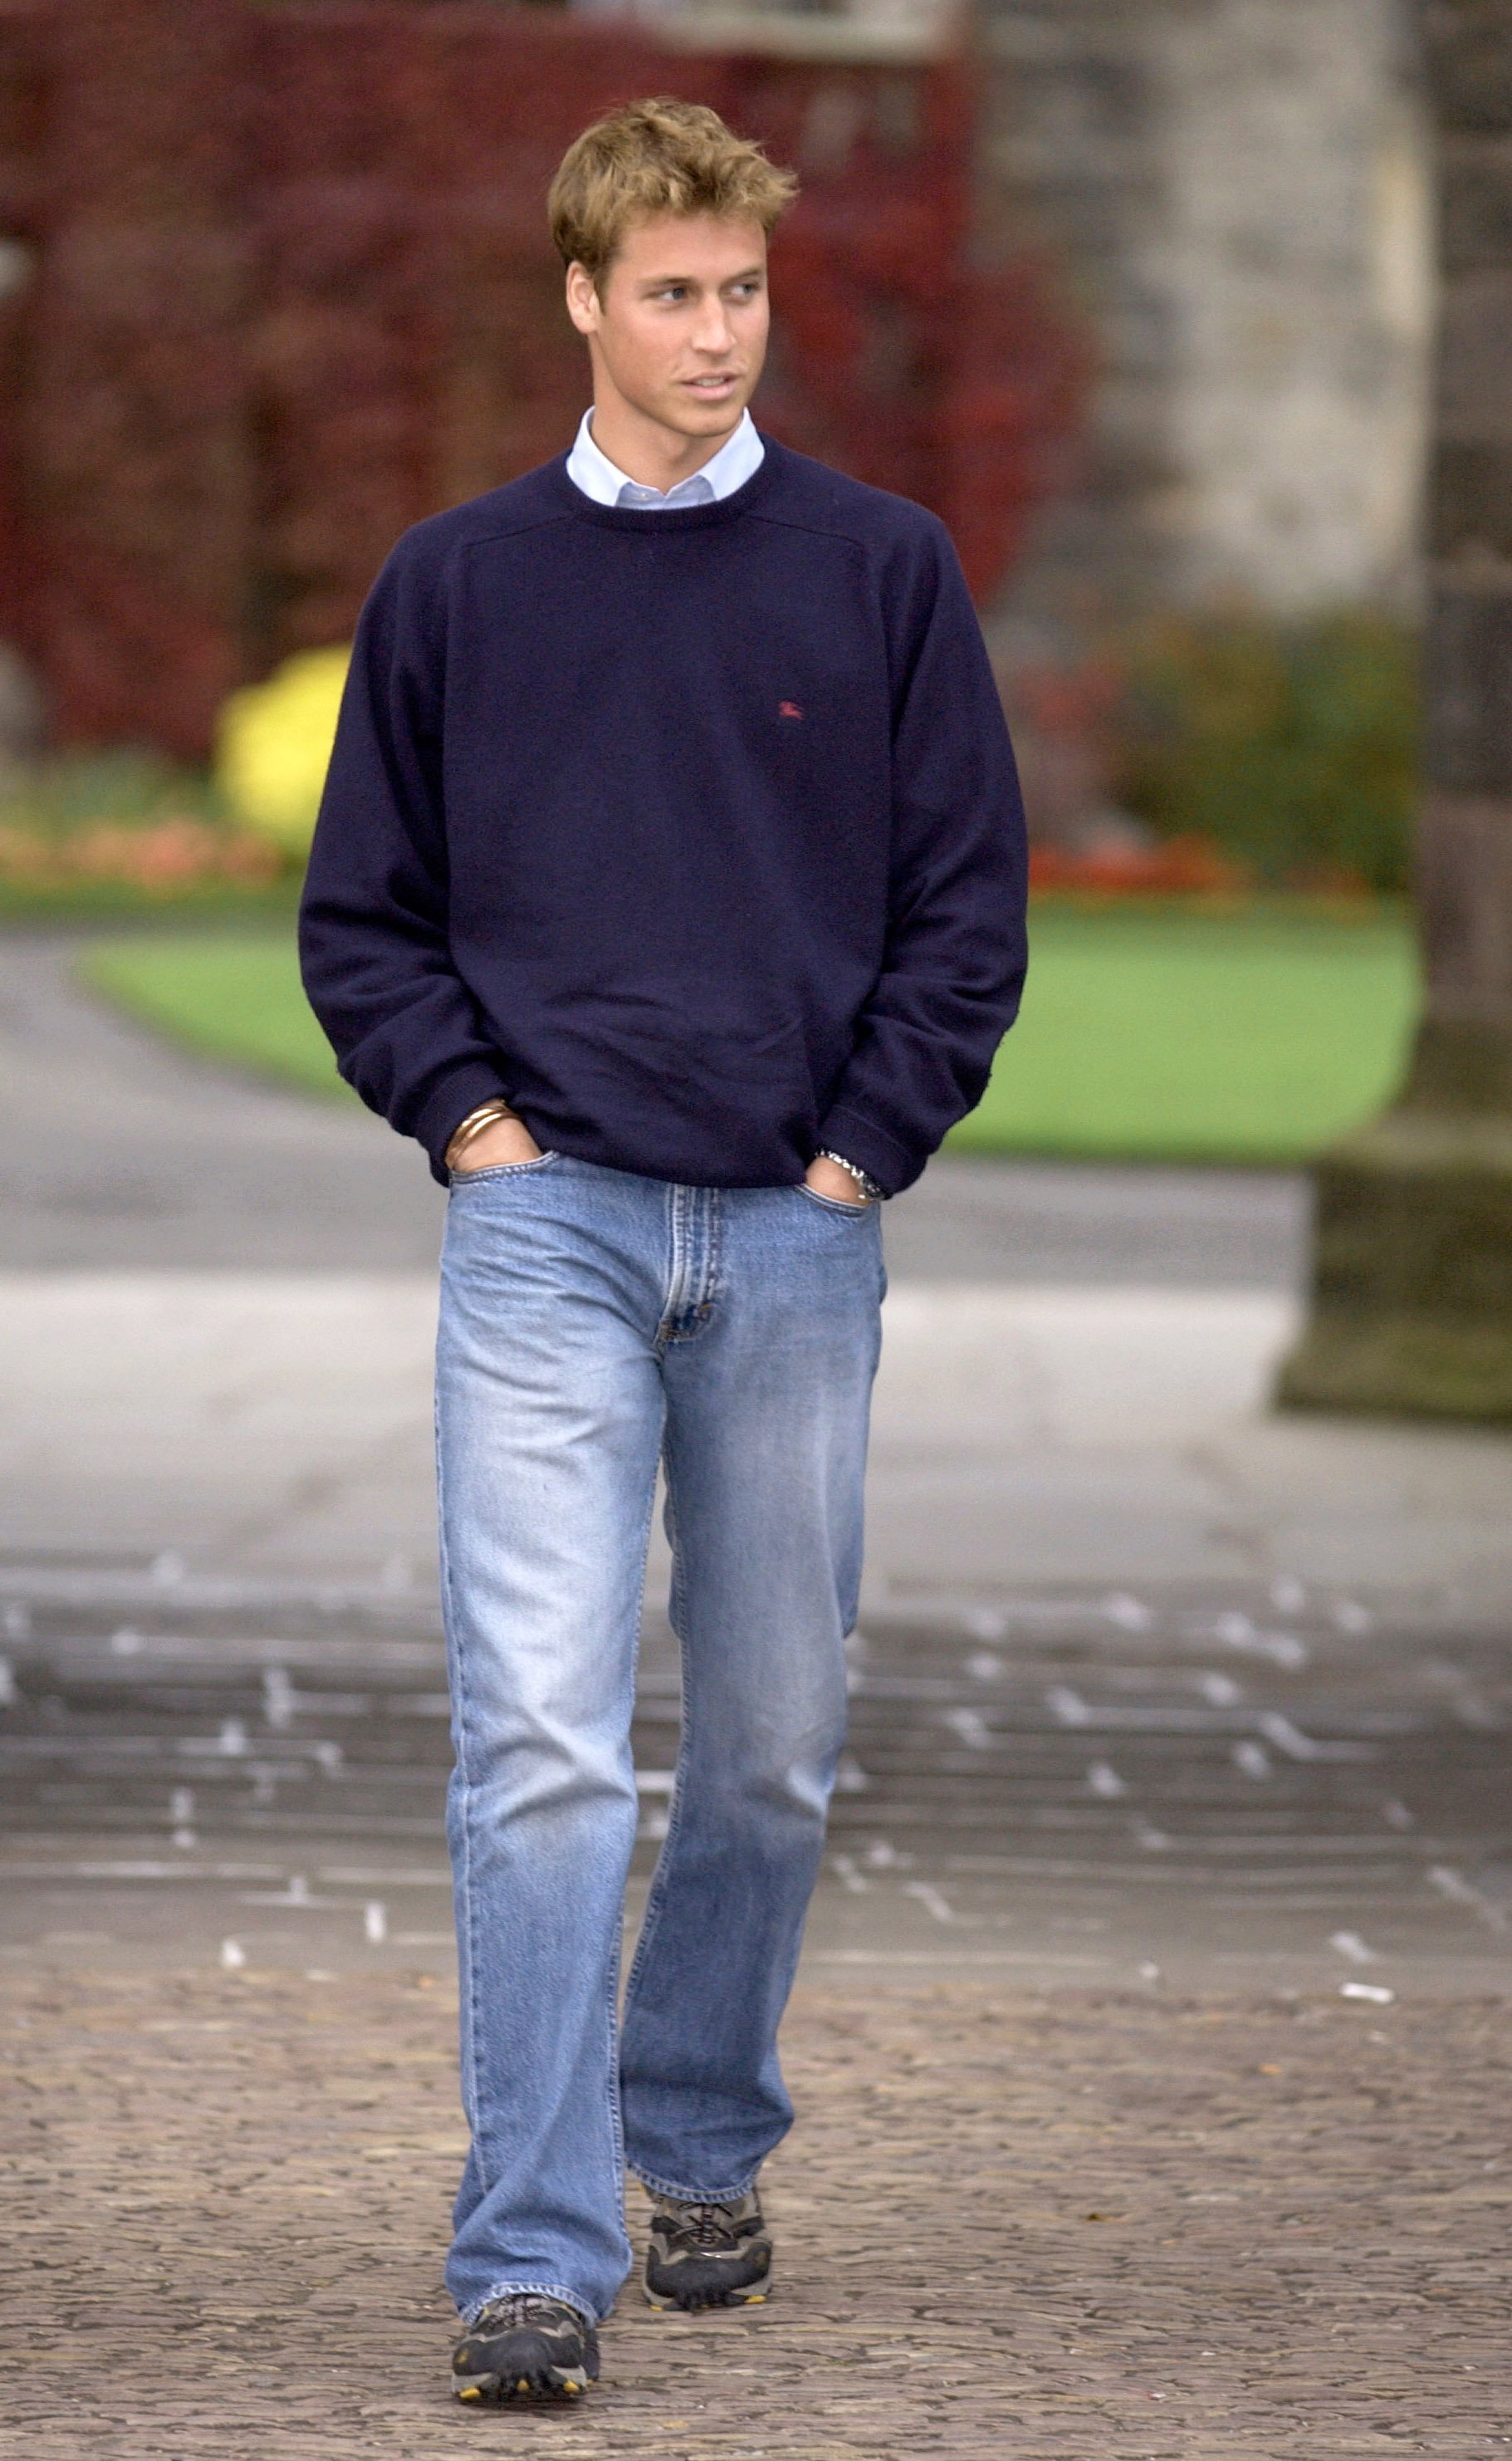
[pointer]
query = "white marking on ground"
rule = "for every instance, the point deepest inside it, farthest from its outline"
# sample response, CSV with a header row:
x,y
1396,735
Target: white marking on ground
x,y
1349,1944
1298,1746
1067,1705
278,1697
1238,1632
933,1901
971,1728
1250,1759
1221,1690
1460,1892
1129,1614
1104,1782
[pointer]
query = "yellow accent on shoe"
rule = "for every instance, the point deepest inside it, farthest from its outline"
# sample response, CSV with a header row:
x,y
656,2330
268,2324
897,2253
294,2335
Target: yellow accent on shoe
x,y
571,2383
521,2384
469,2392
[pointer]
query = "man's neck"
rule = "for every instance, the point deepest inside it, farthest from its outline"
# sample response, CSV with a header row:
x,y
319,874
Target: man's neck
x,y
653,456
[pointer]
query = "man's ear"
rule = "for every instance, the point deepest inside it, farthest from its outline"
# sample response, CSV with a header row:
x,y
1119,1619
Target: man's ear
x,y
582,299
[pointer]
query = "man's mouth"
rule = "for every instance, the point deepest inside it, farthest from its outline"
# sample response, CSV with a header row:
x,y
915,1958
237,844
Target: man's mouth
x,y
712,384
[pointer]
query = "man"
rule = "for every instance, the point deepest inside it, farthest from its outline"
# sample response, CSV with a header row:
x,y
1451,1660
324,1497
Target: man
x,y
668,889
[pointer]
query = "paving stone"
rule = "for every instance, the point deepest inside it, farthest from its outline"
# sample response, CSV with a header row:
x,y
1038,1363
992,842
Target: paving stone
x,y
1008,2225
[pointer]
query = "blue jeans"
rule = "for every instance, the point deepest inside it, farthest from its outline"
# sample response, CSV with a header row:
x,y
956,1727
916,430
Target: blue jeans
x,y
593,1323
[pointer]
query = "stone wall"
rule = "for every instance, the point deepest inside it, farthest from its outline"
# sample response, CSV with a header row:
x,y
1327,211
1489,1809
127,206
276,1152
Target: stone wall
x,y
1236,190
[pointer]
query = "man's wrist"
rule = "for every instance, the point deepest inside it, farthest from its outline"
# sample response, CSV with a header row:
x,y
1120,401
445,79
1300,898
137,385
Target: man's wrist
x,y
484,1117
863,1178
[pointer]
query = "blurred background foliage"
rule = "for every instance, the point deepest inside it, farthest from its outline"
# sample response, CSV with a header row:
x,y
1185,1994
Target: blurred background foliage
x,y
1291,747
86,832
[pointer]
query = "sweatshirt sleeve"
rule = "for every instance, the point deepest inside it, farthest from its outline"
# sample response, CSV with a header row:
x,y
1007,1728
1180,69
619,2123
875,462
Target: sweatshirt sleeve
x,y
372,928
953,967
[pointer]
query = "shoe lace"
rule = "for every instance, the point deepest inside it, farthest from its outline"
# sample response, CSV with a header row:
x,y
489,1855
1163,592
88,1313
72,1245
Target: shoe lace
x,y
519,2308
706,2225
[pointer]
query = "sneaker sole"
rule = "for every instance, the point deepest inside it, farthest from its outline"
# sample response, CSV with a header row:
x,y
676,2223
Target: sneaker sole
x,y
755,2296
547,2383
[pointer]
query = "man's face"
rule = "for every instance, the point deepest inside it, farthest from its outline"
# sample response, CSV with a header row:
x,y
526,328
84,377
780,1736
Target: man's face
x,y
680,326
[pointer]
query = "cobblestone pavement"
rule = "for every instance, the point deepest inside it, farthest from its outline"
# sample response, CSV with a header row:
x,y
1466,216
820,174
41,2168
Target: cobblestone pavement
x,y
1009,2225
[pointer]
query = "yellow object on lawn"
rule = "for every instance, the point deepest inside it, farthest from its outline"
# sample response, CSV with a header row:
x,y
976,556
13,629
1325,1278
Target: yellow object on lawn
x,y
273,745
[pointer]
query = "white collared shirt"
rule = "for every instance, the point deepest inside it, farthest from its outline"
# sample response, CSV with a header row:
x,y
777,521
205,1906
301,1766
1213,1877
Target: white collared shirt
x,y
737,460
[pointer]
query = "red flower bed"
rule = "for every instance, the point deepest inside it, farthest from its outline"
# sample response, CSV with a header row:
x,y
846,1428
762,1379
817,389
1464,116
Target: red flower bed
x,y
1177,866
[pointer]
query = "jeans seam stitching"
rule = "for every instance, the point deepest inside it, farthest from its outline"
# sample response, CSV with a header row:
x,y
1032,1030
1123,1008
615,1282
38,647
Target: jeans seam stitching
x,y
464,1884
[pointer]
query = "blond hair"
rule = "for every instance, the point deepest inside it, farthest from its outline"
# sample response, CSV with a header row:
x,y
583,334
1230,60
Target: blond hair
x,y
660,157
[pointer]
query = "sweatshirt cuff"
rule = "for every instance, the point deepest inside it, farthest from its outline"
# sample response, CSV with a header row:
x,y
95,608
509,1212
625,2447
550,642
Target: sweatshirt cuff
x,y
860,1141
466,1087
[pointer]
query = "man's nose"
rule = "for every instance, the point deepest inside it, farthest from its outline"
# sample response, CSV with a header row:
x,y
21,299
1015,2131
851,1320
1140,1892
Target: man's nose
x,y
711,329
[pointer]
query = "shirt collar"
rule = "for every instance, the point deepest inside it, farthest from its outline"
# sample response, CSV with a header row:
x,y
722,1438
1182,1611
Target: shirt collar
x,y
736,460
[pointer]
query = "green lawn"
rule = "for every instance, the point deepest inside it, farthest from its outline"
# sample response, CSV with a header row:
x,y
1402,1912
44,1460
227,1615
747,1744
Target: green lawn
x,y
1147,1035
233,995
1252,1037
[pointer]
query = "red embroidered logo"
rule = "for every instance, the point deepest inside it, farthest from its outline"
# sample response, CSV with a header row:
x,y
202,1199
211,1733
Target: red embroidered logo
x,y
788,708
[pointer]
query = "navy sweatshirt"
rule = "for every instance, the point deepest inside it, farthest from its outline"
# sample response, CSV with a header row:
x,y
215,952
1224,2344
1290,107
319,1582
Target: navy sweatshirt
x,y
696,834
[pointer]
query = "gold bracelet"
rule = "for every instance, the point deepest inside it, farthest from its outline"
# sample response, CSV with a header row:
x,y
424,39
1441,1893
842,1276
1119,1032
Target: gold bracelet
x,y
473,1125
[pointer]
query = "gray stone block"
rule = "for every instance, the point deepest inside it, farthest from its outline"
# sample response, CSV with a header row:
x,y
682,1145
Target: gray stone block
x,y
1469,736
1470,500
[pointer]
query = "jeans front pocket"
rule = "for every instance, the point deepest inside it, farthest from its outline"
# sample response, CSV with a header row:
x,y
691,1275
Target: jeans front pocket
x,y
502,1171
835,1204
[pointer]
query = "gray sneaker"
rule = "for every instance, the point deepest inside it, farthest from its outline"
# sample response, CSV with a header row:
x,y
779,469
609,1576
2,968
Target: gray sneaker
x,y
706,2255
525,2345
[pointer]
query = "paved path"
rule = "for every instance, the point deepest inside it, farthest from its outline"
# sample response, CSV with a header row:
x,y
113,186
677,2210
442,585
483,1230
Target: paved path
x,y
1190,1787
1258,2230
